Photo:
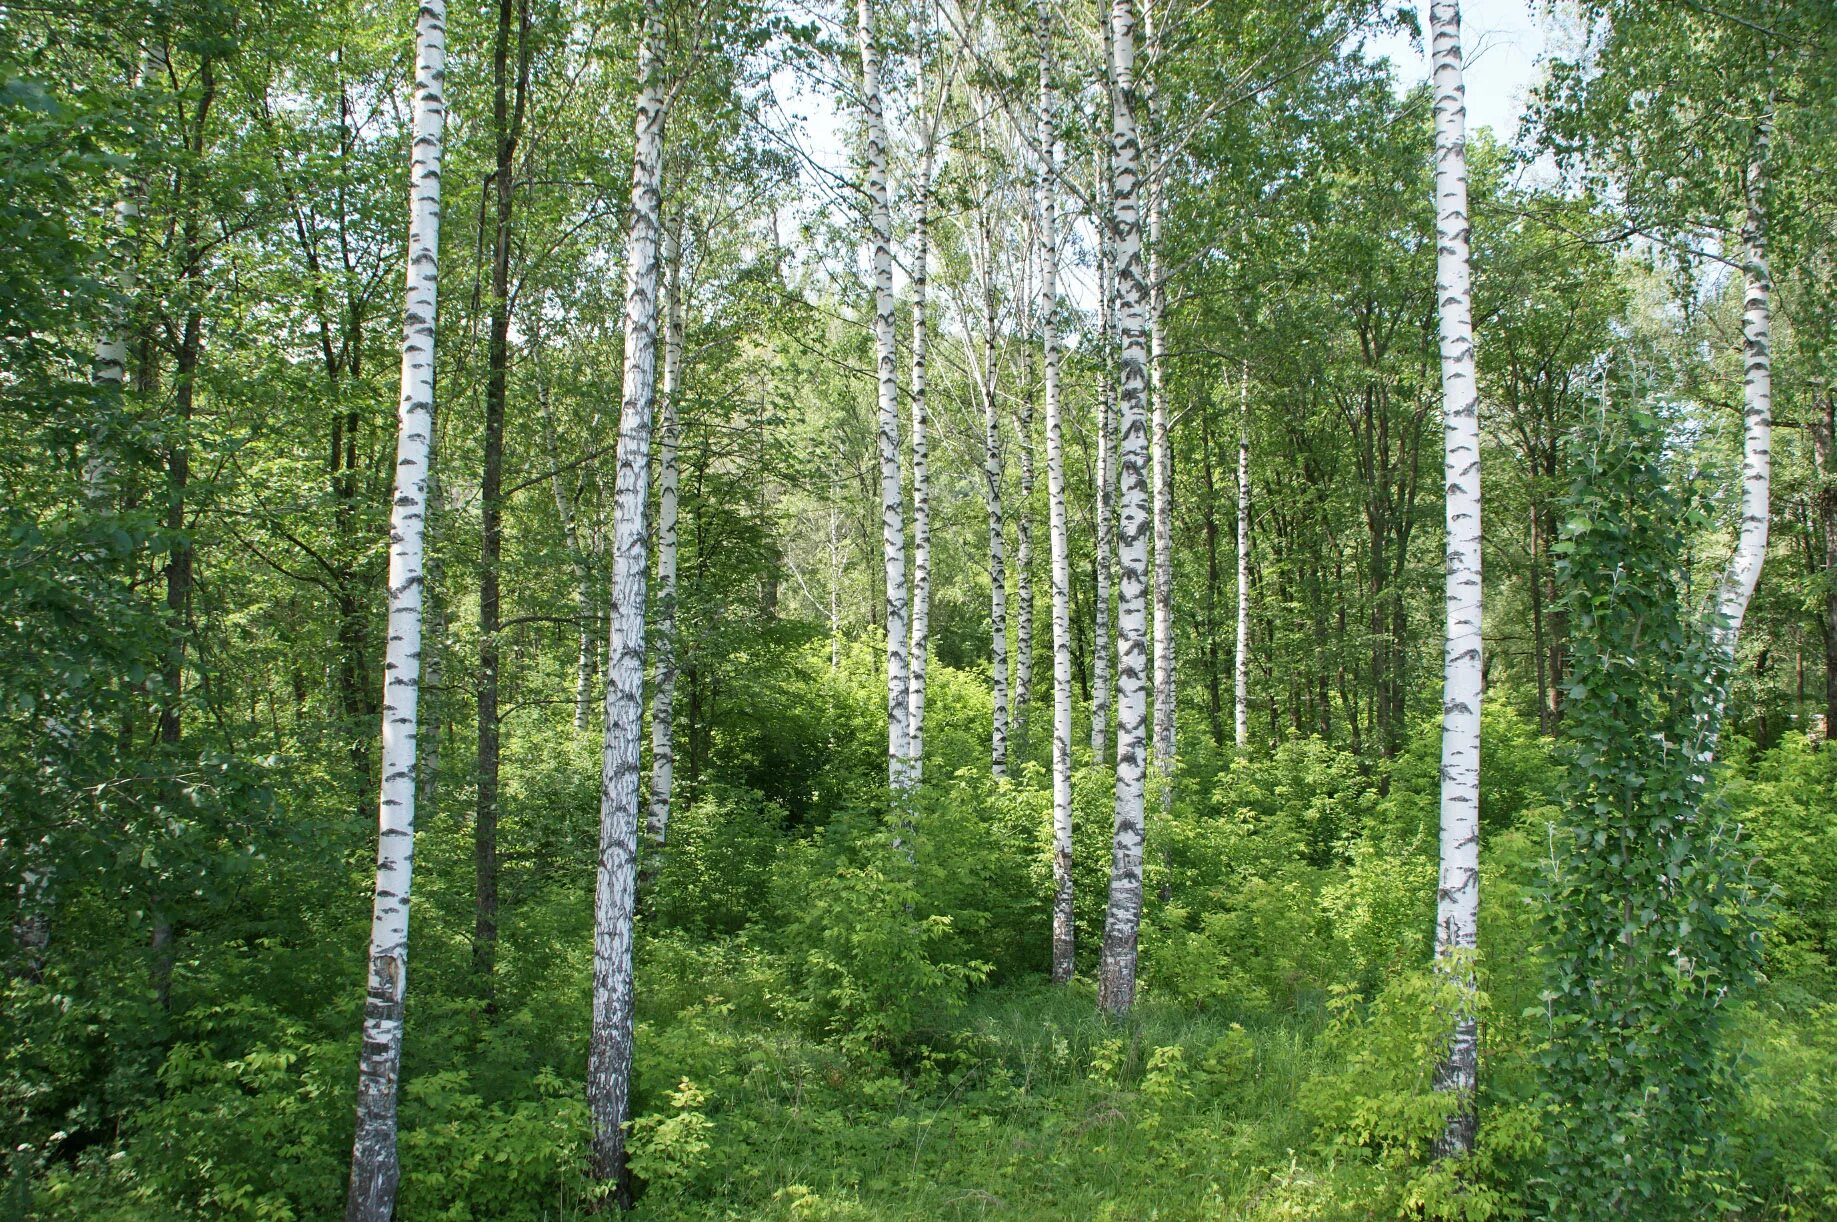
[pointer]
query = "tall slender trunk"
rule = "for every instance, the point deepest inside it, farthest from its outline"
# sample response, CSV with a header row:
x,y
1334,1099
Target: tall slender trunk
x,y
1155,187
1240,672
1757,400
1122,921
507,109
1103,648
565,511
1023,570
892,497
663,694
1824,451
374,1166
609,1045
921,473
1458,894
992,506
1058,529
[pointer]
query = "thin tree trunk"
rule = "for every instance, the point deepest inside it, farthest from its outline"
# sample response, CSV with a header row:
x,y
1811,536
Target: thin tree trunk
x,y
1240,674
1057,527
374,1166
1122,921
1824,450
1103,648
663,695
507,125
1458,894
1757,402
577,557
921,474
892,502
1161,451
609,1047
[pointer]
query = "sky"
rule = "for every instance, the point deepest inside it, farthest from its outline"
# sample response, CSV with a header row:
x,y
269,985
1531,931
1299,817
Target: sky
x,y
1501,40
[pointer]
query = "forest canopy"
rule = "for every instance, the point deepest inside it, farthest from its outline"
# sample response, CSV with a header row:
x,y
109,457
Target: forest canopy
x,y
939,609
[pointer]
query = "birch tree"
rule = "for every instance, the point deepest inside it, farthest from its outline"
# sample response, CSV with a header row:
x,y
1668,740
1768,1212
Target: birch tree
x,y
982,253
1104,645
663,693
609,1048
892,497
375,1168
1122,920
1161,452
1240,668
1458,892
1058,530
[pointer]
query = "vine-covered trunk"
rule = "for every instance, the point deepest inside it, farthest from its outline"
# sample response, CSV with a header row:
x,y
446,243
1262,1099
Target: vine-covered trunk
x,y
1240,668
1458,893
615,894
1122,921
1058,529
663,691
375,1169
892,502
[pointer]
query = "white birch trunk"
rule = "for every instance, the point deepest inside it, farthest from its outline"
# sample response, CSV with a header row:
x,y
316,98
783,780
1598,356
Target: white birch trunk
x,y
663,691
1023,573
921,477
1103,646
1122,921
1743,571
609,1048
1240,694
1458,893
375,1168
991,500
1058,529
892,502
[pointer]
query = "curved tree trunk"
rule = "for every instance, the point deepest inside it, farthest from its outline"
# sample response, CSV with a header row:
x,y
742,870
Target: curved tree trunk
x,y
609,1046
1122,921
663,693
375,1169
1057,527
1458,894
892,502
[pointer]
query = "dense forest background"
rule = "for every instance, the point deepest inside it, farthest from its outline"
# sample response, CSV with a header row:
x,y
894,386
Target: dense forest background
x,y
845,1004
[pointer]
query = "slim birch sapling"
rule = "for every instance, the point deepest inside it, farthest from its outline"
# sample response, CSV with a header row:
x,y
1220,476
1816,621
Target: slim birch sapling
x,y
375,1168
609,1048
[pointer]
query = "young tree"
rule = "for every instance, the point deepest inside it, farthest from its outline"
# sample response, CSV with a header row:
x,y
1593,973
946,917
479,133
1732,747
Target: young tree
x,y
663,692
1240,669
1458,893
1122,920
1057,527
892,497
375,1169
609,1047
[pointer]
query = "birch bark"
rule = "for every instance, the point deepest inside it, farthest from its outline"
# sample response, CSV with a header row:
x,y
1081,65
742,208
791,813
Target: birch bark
x,y
609,1046
921,471
663,694
375,1168
1122,921
992,506
1458,893
1743,571
1240,696
892,503
1104,646
1058,530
